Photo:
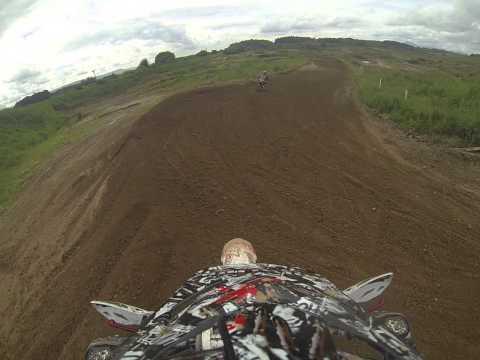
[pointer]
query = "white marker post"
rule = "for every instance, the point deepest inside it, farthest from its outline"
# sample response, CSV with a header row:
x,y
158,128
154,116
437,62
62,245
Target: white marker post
x,y
406,94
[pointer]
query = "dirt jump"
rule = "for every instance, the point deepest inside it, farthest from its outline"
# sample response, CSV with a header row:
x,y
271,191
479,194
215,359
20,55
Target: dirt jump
x,y
298,169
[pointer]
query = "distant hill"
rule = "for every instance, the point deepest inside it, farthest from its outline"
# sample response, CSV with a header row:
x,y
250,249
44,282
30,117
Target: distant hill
x,y
45,94
89,79
343,44
32,99
249,45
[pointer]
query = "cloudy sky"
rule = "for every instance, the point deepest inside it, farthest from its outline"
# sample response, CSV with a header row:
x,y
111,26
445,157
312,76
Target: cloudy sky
x,y
45,44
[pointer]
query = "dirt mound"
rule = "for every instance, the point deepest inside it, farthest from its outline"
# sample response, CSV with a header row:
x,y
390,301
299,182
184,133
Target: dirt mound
x,y
298,170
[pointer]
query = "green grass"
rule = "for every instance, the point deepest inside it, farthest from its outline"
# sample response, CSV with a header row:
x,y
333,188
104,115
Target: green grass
x,y
13,178
439,103
30,135
22,130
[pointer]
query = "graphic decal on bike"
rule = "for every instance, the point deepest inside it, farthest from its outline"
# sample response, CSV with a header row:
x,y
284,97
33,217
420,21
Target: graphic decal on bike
x,y
269,311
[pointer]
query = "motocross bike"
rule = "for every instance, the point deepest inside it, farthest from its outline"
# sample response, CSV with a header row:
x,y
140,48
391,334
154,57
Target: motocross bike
x,y
262,82
260,311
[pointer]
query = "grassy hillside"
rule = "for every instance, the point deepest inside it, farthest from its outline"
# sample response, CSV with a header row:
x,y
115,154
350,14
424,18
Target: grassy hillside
x,y
23,128
429,102
21,131
28,135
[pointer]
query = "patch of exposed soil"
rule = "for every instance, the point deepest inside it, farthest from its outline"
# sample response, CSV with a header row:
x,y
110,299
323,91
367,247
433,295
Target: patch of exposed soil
x,y
309,67
298,169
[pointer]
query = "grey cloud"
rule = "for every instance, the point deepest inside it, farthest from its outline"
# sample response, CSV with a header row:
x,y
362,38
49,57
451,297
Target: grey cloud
x,y
438,20
11,10
469,8
467,42
28,81
139,29
234,25
426,39
284,27
309,24
459,42
18,91
457,29
202,11
24,82
345,23
27,76
29,33
8,100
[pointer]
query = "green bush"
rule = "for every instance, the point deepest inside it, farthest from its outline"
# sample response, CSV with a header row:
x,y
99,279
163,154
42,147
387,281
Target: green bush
x,y
164,57
143,64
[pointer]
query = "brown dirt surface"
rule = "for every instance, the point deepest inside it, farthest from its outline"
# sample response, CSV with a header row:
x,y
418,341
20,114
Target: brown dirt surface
x,y
299,170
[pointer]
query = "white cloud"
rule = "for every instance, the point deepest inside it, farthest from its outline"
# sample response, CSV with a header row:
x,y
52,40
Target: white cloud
x,y
135,29
310,24
11,10
62,41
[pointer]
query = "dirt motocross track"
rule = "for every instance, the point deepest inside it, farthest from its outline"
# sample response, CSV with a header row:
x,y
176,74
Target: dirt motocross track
x,y
297,169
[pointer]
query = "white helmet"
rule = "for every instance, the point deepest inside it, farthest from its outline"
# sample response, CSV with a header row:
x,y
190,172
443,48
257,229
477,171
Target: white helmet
x,y
238,251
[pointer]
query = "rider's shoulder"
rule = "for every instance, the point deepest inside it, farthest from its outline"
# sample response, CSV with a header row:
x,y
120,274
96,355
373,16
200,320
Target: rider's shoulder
x,y
266,268
256,266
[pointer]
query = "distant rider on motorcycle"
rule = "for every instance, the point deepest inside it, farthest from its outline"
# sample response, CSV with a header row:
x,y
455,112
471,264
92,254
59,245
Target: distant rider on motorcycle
x,y
262,79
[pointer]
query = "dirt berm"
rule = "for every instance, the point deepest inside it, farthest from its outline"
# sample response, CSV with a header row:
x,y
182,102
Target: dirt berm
x,y
298,169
